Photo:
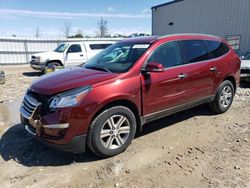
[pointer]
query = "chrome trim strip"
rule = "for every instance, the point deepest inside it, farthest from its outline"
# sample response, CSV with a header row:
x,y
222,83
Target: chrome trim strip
x,y
169,111
30,131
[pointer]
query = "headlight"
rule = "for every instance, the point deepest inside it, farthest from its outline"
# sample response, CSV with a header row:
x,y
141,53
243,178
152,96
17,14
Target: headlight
x,y
70,98
38,59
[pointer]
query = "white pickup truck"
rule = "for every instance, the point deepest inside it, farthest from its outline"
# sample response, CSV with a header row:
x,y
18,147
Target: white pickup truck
x,y
68,54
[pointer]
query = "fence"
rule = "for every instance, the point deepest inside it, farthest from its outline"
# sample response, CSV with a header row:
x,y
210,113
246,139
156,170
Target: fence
x,y
14,50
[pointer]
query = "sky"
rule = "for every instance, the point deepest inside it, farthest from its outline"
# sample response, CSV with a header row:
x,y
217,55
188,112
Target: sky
x,y
23,17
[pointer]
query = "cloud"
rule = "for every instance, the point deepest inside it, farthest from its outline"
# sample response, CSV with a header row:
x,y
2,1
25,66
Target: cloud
x,y
111,9
146,11
66,15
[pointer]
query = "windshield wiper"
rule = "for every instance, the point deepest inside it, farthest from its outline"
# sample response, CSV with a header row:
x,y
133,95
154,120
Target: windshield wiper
x,y
98,68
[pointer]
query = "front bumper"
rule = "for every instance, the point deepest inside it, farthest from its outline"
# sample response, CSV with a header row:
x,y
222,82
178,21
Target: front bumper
x,y
245,74
38,65
76,145
64,128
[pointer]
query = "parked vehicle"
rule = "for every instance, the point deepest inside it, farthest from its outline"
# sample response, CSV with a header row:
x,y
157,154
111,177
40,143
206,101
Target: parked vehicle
x,y
2,77
245,68
68,54
104,103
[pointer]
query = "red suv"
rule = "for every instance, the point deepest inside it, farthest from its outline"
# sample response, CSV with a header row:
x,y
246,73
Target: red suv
x,y
102,104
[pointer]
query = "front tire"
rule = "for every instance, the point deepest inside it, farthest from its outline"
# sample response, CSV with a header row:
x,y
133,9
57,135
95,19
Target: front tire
x,y
112,131
224,97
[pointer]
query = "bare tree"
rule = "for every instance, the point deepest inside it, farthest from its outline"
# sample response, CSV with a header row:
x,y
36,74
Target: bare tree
x,y
67,29
102,28
79,33
37,32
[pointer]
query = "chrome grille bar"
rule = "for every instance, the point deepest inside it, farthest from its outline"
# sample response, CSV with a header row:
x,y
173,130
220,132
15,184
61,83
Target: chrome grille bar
x,y
29,106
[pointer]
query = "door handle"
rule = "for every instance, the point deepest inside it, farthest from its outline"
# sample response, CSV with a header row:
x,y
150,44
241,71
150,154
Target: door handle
x,y
182,76
81,55
213,69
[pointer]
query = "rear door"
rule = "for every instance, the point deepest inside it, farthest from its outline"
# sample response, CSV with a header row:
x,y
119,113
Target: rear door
x,y
75,55
201,69
163,90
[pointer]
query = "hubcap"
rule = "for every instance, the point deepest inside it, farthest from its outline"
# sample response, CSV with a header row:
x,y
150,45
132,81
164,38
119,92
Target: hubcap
x,y
226,96
115,132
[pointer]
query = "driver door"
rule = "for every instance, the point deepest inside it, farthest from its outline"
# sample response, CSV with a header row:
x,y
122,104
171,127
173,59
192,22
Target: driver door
x,y
75,55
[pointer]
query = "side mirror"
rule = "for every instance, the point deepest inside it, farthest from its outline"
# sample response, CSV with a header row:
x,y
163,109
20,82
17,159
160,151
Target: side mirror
x,y
154,67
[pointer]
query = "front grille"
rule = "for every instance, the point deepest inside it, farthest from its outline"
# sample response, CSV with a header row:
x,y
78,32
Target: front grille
x,y
29,106
245,71
44,100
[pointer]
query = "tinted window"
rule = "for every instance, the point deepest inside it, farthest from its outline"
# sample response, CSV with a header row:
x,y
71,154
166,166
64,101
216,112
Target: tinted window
x,y
75,48
169,55
195,51
247,57
216,48
98,46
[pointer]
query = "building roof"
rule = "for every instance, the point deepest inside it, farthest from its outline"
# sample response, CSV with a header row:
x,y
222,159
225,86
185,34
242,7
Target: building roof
x,y
165,4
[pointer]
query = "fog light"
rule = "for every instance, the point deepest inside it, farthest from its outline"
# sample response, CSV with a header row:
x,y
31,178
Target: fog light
x,y
57,126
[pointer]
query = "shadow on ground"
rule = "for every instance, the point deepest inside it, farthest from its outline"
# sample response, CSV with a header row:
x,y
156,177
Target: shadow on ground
x,y
32,74
175,118
18,145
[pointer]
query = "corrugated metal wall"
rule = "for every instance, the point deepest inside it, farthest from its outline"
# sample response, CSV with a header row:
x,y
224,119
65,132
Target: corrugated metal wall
x,y
15,50
216,17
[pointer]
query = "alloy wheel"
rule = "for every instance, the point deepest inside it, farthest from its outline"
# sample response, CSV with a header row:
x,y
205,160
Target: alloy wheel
x,y
226,96
115,132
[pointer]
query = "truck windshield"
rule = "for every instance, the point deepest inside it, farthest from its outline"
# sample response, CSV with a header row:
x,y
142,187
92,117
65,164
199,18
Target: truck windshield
x,y
118,57
61,48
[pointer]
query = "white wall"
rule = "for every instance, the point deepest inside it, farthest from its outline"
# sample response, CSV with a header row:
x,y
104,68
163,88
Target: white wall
x,y
14,50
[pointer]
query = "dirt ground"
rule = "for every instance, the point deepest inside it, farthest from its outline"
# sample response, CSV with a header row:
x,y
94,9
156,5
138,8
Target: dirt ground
x,y
194,148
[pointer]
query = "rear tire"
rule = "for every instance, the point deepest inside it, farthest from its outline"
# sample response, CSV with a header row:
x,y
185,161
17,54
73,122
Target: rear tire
x,y
224,97
112,131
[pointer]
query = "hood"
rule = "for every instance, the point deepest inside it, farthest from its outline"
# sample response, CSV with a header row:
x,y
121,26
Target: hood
x,y
69,78
245,64
48,55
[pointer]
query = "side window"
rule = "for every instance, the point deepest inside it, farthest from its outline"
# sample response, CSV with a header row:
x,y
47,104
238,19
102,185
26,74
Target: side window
x,y
74,48
98,46
195,51
169,55
216,48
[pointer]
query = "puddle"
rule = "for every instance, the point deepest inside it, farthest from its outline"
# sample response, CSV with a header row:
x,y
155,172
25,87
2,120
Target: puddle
x,y
9,112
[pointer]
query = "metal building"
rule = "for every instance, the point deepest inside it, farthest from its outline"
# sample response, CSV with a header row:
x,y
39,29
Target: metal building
x,y
229,19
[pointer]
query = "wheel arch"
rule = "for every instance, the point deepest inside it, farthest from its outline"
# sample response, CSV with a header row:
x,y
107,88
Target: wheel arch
x,y
122,102
231,79
56,60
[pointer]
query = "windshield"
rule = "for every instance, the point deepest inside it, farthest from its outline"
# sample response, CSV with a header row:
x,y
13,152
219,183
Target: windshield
x,y
118,57
61,48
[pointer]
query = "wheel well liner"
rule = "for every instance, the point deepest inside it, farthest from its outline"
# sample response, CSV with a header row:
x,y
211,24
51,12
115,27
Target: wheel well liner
x,y
58,61
231,79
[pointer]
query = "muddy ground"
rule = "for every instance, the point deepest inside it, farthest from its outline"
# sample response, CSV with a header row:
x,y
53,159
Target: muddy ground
x,y
194,148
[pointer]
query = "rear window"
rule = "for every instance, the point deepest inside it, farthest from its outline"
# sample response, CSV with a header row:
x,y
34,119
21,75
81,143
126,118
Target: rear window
x,y
195,51
216,48
98,46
